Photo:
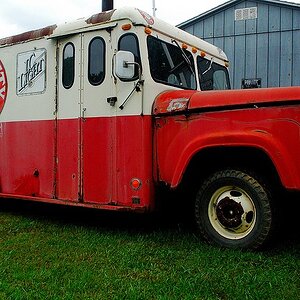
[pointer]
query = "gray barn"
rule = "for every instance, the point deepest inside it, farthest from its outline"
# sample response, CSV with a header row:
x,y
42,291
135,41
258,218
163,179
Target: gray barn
x,y
261,39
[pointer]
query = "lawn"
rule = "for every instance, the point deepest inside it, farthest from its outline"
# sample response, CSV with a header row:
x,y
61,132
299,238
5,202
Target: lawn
x,y
54,252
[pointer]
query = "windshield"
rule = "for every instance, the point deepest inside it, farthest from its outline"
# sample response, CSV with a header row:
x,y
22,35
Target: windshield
x,y
168,64
212,76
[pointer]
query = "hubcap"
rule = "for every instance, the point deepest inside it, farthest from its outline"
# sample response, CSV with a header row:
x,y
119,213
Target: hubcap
x,y
232,212
229,213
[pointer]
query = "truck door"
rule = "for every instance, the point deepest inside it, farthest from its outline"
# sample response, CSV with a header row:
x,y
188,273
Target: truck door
x,y
133,159
84,130
69,107
97,122
103,138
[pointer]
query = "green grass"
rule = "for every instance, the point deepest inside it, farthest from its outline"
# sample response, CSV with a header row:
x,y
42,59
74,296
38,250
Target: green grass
x,y
50,252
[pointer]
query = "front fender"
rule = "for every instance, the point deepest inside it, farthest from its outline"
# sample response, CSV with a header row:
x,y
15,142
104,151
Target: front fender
x,y
180,138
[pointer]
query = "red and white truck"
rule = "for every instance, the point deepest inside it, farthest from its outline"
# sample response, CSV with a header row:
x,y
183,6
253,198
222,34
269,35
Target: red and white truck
x,y
107,111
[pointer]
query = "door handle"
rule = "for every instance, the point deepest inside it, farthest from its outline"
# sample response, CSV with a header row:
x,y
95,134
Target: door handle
x,y
112,101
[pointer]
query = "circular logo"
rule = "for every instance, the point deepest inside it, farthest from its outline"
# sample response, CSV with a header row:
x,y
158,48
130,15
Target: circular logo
x,y
3,86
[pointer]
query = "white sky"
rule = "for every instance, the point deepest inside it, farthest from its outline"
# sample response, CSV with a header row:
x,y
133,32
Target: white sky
x,y
17,16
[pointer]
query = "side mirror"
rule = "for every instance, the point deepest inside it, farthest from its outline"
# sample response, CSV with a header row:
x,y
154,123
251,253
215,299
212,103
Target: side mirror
x,y
124,64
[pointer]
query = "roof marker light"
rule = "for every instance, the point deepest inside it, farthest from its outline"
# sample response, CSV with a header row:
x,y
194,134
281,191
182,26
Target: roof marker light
x,y
194,50
202,53
148,30
184,46
126,26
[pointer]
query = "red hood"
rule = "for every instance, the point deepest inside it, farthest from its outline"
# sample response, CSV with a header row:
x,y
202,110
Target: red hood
x,y
179,101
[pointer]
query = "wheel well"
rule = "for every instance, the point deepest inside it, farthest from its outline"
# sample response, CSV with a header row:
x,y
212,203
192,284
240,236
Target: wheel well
x,y
211,160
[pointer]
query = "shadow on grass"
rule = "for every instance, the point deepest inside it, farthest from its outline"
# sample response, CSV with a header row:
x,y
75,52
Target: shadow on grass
x,y
288,234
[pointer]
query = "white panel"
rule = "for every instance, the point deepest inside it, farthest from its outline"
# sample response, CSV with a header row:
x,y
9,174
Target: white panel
x,y
39,104
69,99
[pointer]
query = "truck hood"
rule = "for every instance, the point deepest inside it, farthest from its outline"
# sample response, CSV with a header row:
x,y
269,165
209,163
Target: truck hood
x,y
185,101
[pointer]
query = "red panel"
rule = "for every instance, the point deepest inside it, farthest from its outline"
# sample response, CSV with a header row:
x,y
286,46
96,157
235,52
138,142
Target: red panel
x,y
68,162
27,158
115,151
209,99
274,130
97,160
134,159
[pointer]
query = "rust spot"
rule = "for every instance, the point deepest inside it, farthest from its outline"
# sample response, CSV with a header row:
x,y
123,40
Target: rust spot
x,y
100,17
29,35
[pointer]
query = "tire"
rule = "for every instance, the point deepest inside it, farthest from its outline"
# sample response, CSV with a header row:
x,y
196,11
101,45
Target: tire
x,y
232,210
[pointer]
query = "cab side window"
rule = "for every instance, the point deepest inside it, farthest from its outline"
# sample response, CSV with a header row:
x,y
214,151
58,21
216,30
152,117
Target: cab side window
x,y
68,68
129,42
96,61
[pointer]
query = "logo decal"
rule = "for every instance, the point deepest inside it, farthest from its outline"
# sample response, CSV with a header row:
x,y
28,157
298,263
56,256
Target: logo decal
x,y
31,72
178,104
147,17
3,86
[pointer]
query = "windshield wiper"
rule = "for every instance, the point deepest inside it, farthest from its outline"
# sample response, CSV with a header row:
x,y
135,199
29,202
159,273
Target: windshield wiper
x,y
210,65
185,57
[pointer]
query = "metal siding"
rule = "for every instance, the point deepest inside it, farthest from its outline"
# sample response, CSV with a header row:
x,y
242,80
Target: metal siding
x,y
251,24
239,27
296,19
274,59
262,18
229,22
219,42
262,63
296,58
190,29
219,24
198,29
286,19
286,58
208,27
274,18
239,61
251,47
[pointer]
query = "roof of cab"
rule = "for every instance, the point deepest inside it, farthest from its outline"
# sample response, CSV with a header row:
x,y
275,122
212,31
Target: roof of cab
x,y
109,19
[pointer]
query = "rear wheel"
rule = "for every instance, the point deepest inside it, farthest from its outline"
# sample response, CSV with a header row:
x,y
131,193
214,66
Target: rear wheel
x,y
233,210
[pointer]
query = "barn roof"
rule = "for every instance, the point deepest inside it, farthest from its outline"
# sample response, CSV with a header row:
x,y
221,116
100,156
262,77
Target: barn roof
x,y
231,3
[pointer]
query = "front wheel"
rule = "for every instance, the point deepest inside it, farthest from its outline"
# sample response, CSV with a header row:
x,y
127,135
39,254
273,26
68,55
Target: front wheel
x,y
232,209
